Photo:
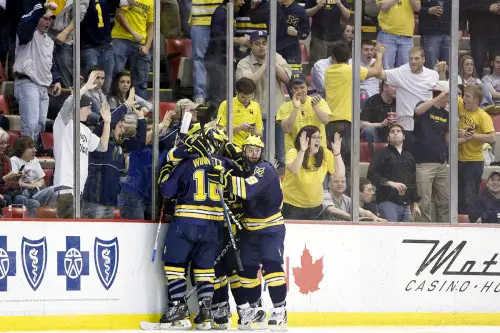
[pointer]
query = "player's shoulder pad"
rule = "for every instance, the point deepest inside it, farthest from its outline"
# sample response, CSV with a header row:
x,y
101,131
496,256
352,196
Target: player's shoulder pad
x,y
263,168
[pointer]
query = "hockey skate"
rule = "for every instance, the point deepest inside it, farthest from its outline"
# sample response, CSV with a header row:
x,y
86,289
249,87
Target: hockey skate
x,y
278,320
203,320
251,318
222,317
176,317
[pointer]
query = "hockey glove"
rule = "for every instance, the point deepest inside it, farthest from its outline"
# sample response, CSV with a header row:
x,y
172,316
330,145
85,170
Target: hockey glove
x,y
165,172
233,152
195,145
219,175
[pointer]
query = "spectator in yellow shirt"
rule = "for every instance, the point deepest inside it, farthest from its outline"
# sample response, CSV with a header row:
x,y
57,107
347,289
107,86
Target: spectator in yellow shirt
x,y
338,89
397,24
247,118
133,35
475,129
306,167
302,110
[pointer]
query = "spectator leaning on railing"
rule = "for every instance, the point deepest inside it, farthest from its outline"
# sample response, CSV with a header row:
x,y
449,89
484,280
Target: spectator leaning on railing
x,y
34,69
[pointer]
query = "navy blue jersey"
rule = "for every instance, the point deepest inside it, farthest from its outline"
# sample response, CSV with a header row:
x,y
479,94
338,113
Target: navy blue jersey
x,y
262,197
96,26
198,200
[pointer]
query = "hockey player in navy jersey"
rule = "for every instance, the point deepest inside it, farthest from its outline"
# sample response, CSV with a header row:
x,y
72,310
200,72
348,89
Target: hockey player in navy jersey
x,y
194,233
262,241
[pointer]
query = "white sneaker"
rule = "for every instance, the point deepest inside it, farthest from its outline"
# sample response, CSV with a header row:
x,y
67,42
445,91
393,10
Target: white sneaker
x,y
278,320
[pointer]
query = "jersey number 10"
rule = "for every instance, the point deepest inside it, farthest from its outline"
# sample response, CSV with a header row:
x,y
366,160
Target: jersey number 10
x,y
201,194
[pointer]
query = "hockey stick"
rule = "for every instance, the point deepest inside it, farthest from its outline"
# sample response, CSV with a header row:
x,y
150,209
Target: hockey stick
x,y
223,203
186,120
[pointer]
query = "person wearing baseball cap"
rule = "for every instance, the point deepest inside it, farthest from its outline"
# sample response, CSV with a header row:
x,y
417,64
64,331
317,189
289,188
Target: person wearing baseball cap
x,y
430,150
485,207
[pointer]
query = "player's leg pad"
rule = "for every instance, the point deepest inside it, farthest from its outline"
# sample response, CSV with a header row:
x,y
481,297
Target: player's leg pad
x,y
274,276
204,279
176,280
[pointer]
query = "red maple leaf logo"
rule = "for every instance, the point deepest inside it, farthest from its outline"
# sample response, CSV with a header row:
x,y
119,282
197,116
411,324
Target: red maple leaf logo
x,y
309,275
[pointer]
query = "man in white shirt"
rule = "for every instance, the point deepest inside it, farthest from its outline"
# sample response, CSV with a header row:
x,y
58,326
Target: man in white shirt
x,y
63,147
413,84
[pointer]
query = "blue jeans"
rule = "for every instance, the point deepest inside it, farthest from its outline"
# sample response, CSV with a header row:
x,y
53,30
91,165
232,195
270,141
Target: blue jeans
x,y
64,60
479,46
133,207
394,212
124,50
93,210
30,204
437,48
469,182
279,142
370,134
200,36
103,57
185,12
33,107
397,49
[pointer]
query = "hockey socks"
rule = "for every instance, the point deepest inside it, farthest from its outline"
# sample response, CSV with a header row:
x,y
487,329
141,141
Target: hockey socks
x,y
275,281
176,282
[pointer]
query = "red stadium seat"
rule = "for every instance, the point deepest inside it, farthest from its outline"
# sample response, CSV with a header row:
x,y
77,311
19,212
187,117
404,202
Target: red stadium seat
x,y
364,151
496,122
13,136
4,105
47,140
3,77
175,50
46,213
164,107
15,212
117,214
49,174
463,218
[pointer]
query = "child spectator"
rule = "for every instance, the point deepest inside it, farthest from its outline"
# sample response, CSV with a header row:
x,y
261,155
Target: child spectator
x,y
485,207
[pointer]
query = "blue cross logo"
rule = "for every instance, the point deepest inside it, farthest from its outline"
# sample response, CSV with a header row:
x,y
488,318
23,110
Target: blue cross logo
x,y
72,263
7,263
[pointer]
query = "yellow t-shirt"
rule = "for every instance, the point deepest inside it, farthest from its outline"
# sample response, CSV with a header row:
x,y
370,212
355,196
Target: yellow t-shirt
x,y
250,114
137,17
305,116
338,88
305,189
61,4
482,123
399,19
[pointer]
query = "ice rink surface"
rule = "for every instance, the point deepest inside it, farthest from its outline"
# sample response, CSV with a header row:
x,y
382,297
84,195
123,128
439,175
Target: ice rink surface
x,y
378,329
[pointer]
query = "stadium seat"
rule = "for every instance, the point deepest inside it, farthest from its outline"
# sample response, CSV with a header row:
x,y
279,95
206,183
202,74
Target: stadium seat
x,y
463,218
166,106
49,174
496,122
4,105
47,140
15,212
175,50
364,151
46,213
3,77
13,136
117,214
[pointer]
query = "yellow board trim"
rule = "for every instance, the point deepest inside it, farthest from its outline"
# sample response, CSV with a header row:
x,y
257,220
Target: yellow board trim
x,y
302,319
